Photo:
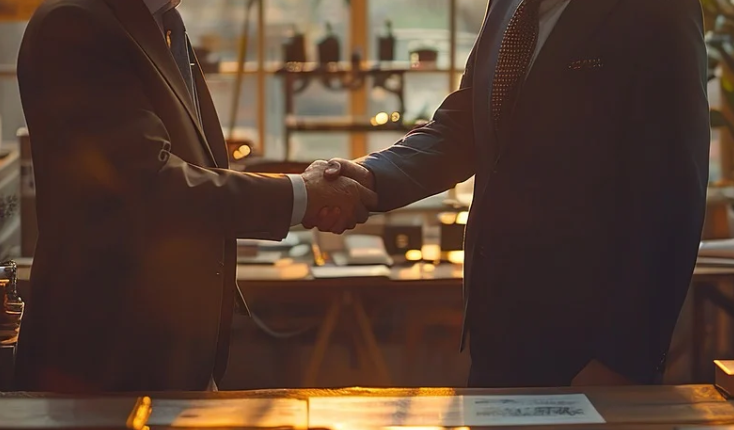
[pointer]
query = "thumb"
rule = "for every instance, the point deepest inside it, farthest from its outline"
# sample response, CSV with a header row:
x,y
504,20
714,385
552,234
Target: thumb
x,y
352,170
368,197
333,170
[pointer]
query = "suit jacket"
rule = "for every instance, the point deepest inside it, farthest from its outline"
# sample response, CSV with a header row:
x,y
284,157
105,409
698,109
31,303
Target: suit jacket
x,y
133,281
595,191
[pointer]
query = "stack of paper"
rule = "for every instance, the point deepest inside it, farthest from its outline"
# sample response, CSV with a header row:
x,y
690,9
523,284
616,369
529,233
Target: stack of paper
x,y
451,411
64,413
230,413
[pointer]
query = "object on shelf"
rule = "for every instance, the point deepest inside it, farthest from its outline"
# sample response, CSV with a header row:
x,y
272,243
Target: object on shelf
x,y
240,148
386,44
423,58
342,123
294,49
9,203
356,62
329,48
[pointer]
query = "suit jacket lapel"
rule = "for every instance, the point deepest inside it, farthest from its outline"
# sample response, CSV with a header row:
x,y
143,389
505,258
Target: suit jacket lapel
x,y
138,22
209,119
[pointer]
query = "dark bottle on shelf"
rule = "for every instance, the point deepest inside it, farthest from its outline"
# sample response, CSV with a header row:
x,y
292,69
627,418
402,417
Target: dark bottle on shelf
x,y
295,48
386,44
329,49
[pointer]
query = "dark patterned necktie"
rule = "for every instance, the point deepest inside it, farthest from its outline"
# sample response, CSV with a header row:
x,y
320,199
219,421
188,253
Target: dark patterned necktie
x,y
516,51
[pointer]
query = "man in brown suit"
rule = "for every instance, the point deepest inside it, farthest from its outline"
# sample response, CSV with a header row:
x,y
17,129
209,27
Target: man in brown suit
x,y
133,278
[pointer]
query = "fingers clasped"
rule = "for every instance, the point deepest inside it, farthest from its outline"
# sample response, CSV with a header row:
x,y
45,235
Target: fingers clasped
x,y
336,203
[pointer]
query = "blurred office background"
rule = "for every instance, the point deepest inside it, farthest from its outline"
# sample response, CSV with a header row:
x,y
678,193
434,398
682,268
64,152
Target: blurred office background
x,y
399,324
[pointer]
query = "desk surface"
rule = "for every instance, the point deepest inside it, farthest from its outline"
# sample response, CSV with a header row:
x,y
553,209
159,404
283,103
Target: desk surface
x,y
658,407
287,272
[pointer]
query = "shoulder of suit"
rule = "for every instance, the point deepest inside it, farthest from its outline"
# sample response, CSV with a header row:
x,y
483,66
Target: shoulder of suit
x,y
49,5
53,11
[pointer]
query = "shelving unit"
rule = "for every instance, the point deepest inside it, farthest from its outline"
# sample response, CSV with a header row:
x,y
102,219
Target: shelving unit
x,y
297,78
357,39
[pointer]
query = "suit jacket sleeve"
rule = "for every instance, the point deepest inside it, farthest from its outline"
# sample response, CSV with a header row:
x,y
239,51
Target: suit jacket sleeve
x,y
432,158
663,181
101,111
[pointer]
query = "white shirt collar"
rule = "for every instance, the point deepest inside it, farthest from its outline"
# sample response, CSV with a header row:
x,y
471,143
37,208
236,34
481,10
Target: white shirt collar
x,y
156,6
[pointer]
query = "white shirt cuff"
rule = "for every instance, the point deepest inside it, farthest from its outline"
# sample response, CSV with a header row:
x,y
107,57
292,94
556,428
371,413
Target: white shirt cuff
x,y
300,199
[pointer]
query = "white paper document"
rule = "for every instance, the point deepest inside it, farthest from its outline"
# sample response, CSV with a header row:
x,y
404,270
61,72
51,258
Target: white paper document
x,y
452,411
347,412
262,413
530,410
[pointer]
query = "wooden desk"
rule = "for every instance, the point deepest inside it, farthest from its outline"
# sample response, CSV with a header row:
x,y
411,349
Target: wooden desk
x,y
646,408
438,286
711,286
441,286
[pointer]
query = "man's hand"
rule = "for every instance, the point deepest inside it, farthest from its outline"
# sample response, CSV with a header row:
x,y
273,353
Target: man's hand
x,y
339,168
342,201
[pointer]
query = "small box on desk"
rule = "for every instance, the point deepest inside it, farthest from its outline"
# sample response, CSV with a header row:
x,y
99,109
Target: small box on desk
x,y
725,377
400,239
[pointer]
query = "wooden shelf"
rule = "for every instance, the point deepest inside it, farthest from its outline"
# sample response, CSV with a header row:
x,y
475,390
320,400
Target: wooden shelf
x,y
229,68
343,124
7,71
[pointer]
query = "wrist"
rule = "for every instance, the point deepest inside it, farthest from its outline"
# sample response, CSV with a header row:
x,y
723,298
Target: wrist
x,y
369,178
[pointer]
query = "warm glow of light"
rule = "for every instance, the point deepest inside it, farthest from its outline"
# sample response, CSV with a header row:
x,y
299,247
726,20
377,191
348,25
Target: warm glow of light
x,y
245,150
429,267
414,255
462,218
318,257
395,117
431,252
727,366
283,262
413,428
415,59
420,428
381,118
237,155
373,121
456,257
447,218
140,415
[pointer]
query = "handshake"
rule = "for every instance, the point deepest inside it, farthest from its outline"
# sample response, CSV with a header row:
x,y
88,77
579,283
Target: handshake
x,y
340,195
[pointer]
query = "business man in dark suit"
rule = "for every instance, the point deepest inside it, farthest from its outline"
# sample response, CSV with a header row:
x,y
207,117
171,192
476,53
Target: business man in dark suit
x,y
586,125
133,279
